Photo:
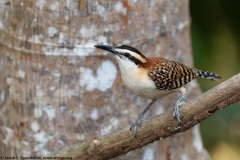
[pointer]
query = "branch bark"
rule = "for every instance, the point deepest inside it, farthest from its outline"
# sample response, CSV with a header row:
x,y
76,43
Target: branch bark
x,y
158,127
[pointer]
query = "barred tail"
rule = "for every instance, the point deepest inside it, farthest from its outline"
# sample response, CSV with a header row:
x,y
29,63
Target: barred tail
x,y
208,75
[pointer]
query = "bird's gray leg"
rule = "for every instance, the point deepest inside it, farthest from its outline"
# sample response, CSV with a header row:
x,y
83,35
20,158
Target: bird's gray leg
x,y
140,118
176,107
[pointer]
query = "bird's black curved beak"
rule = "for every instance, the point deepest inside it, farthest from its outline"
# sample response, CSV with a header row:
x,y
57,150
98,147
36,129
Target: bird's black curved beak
x,y
107,48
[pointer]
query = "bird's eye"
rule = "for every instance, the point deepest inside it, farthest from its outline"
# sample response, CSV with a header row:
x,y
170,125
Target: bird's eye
x,y
127,55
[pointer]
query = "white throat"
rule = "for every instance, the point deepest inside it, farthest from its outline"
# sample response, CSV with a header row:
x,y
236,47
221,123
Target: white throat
x,y
126,65
135,79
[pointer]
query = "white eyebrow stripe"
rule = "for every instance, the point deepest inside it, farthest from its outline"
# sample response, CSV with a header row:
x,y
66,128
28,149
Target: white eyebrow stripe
x,y
133,54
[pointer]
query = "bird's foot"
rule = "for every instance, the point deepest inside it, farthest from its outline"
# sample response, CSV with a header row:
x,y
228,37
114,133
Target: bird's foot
x,y
135,125
176,113
140,119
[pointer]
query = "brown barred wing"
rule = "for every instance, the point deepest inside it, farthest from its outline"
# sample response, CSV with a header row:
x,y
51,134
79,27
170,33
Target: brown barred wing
x,y
169,75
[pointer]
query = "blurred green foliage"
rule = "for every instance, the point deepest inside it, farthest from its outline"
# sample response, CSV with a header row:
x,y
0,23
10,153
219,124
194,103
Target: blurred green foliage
x,y
216,47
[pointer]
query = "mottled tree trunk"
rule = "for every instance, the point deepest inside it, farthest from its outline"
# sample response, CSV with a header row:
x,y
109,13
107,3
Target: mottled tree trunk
x,y
57,90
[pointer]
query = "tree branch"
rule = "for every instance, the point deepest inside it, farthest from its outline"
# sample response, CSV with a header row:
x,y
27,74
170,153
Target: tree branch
x,y
158,127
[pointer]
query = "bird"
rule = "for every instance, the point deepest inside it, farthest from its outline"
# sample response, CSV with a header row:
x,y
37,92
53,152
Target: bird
x,y
153,77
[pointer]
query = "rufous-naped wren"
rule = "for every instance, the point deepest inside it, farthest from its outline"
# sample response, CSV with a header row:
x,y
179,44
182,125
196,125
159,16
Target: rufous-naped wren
x,y
153,77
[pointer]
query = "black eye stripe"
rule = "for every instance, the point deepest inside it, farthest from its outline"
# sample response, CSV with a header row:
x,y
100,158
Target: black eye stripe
x,y
127,55
131,49
135,60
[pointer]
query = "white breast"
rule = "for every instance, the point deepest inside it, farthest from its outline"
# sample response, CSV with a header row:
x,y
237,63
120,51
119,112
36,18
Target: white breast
x,y
138,81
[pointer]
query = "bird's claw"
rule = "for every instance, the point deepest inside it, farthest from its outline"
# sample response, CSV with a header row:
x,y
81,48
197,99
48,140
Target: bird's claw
x,y
140,119
176,113
134,127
